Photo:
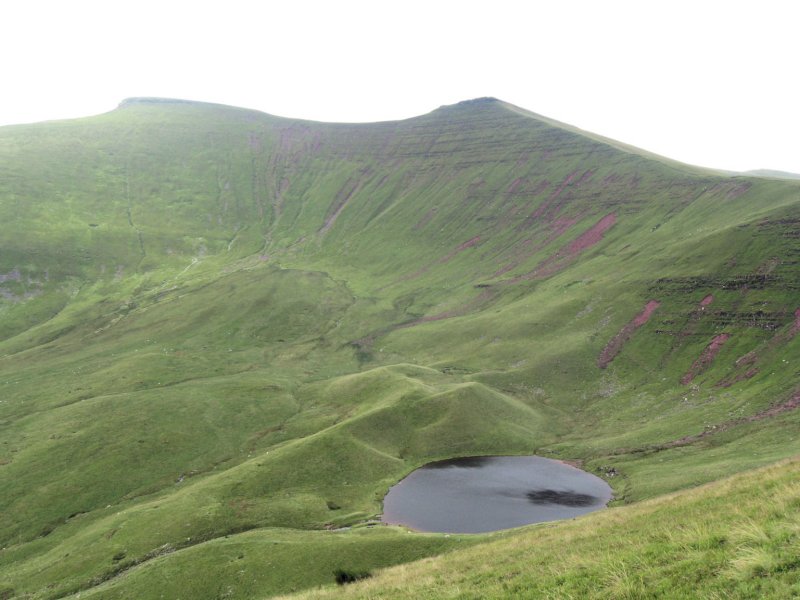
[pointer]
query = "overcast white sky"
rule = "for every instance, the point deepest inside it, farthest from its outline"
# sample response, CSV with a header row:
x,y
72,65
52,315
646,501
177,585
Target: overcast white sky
x,y
708,82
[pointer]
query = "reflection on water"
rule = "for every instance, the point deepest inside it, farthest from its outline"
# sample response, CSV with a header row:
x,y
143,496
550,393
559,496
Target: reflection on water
x,y
487,493
560,497
467,462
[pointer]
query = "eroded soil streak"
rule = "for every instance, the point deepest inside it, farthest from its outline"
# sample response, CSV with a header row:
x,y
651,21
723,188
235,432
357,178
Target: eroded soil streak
x,y
706,358
773,411
746,366
569,253
618,341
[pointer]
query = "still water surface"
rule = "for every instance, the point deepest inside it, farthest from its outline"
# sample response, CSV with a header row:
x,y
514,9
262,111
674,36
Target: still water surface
x,y
487,493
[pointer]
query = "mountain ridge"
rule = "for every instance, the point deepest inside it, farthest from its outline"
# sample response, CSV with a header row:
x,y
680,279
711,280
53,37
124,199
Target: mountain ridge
x,y
484,102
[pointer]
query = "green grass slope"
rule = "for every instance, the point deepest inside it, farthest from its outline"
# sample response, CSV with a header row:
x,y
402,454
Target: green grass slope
x,y
225,333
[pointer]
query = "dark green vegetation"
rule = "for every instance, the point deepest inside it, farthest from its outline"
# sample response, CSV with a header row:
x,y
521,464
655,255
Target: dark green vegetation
x,y
224,333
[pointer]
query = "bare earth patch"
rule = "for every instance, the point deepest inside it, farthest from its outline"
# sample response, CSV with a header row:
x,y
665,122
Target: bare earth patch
x,y
618,341
775,410
706,358
569,253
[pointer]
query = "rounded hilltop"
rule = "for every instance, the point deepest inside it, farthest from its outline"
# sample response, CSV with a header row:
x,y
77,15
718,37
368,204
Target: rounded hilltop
x,y
155,100
483,101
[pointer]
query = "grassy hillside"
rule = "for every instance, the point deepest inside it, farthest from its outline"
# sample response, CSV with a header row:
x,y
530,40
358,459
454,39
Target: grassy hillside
x,y
224,334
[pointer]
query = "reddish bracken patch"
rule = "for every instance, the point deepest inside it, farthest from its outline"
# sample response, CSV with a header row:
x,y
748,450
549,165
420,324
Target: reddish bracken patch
x,y
569,179
458,311
586,176
729,381
550,205
468,244
527,249
731,191
460,248
593,235
796,325
750,360
425,219
343,196
706,357
773,411
747,359
644,316
618,341
566,255
448,257
514,185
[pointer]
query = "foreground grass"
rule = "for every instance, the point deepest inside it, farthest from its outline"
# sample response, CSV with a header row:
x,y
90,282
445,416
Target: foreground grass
x,y
737,538
243,566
